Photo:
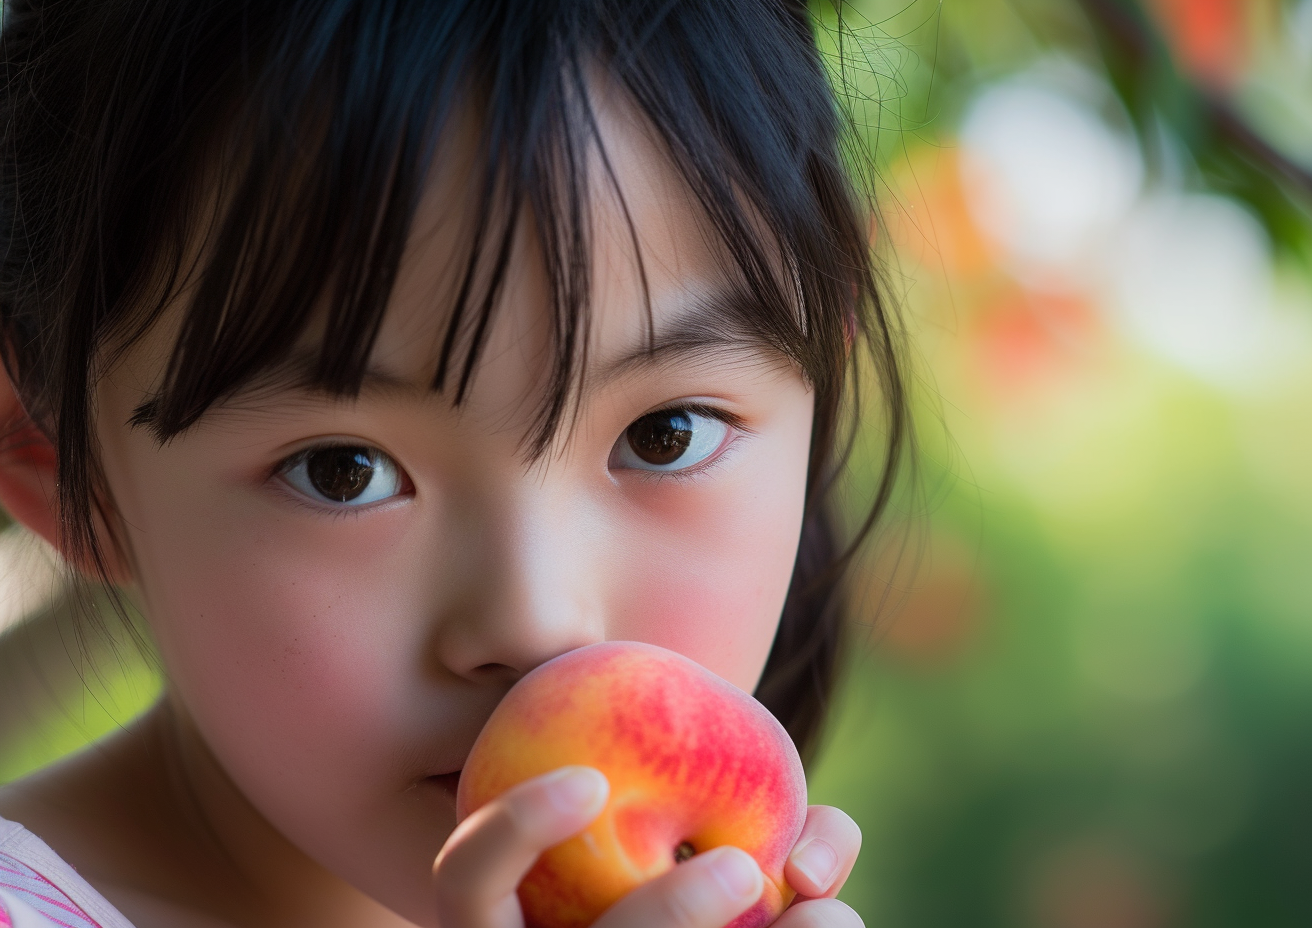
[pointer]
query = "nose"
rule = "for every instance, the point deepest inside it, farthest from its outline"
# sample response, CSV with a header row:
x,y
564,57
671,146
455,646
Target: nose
x,y
529,587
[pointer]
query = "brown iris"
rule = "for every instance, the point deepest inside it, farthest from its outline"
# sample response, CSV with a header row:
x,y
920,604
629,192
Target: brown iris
x,y
660,437
342,473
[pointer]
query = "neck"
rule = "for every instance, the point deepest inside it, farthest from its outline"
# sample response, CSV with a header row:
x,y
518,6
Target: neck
x,y
151,820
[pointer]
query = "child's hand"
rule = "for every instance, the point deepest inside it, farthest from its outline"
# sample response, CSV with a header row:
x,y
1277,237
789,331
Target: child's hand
x,y
482,863
818,867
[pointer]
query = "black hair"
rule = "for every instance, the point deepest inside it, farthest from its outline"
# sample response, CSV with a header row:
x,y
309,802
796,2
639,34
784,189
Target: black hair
x,y
298,136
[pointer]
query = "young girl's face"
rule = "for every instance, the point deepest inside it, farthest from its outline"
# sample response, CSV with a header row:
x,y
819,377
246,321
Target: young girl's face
x,y
342,590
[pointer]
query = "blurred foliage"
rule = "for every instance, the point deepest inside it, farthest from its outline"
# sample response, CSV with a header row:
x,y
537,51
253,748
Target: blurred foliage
x,y
1214,83
1182,70
1081,692
67,680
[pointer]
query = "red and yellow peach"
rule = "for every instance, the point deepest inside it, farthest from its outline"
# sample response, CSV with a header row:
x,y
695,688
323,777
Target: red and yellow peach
x,y
693,763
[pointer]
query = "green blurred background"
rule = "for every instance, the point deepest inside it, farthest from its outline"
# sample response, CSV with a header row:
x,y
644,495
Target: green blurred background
x,y
1087,700
1080,688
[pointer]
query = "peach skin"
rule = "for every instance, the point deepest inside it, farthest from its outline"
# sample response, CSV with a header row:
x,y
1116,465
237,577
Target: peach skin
x,y
693,763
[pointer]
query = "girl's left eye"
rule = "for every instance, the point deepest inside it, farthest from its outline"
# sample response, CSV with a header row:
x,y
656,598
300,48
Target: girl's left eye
x,y
669,440
351,475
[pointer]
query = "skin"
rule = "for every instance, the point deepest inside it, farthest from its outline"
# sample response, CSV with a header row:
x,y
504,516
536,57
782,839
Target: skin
x,y
328,667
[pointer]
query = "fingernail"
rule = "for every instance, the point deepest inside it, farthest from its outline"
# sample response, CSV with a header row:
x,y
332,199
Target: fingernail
x,y
818,862
576,789
738,874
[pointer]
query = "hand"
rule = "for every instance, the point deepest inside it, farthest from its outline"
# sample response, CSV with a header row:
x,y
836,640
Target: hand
x,y
476,874
820,863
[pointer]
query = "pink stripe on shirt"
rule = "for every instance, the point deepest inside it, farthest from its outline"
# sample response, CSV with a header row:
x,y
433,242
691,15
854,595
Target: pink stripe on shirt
x,y
42,895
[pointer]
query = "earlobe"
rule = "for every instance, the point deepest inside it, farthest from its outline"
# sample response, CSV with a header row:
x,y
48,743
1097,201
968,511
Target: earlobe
x,y
29,477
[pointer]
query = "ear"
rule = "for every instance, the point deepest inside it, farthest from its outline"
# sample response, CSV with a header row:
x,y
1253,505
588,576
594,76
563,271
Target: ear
x,y
28,479
27,468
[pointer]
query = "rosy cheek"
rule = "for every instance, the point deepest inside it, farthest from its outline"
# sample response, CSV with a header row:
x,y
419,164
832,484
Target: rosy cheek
x,y
710,566
724,626
287,624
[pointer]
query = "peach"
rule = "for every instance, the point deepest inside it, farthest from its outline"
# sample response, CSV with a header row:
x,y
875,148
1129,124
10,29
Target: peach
x,y
693,763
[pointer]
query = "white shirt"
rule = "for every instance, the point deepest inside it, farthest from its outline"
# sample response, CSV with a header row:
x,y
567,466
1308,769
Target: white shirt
x,y
39,890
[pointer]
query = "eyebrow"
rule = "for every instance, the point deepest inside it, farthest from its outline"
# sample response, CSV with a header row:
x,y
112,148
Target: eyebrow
x,y
293,374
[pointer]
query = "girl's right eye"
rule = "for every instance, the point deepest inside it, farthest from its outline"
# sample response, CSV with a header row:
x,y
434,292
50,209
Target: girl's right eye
x,y
350,475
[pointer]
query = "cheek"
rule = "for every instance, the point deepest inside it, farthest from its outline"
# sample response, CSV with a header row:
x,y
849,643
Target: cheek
x,y
708,567
276,631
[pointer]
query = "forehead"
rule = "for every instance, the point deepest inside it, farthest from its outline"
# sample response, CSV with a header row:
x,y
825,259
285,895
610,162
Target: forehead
x,y
657,272
519,302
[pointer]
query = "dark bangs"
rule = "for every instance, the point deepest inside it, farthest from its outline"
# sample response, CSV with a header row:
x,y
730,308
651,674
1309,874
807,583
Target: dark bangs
x,y
313,124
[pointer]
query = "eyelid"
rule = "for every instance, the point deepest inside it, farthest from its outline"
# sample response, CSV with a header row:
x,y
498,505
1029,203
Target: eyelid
x,y
694,472
296,457
711,411
320,444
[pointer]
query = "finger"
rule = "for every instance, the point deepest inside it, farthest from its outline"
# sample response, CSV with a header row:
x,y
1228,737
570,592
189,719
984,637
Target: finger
x,y
819,913
824,854
487,855
707,891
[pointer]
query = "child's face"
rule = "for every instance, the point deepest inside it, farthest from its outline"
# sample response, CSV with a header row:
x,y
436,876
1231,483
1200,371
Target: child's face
x,y
338,658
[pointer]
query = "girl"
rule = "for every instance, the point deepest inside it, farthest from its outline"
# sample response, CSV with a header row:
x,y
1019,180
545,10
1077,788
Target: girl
x,y
381,351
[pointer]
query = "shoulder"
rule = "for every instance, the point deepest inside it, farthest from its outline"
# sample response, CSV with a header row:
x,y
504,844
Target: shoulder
x,y
38,889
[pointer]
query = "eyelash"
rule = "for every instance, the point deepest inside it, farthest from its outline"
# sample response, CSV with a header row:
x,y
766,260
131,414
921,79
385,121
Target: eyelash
x,y
331,512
